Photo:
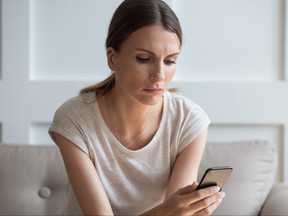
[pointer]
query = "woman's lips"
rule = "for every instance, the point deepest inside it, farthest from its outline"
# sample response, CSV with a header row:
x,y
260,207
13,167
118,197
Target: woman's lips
x,y
153,90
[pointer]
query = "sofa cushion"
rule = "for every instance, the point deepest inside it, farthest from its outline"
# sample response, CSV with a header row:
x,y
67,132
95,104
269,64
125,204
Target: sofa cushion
x,y
254,168
32,180
276,203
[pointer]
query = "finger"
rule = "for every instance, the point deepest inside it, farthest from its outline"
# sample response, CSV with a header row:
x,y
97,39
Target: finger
x,y
209,209
208,203
217,188
195,185
186,190
202,194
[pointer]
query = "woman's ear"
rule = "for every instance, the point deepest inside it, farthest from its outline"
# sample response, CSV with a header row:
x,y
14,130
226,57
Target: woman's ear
x,y
111,53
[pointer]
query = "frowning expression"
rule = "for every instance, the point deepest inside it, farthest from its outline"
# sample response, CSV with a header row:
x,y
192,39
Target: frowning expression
x,y
145,64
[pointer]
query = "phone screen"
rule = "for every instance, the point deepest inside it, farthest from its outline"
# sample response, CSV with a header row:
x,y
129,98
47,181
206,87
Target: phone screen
x,y
215,176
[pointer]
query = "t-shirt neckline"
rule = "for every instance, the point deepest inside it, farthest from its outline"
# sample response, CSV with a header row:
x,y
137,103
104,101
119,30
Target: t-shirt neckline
x,y
118,144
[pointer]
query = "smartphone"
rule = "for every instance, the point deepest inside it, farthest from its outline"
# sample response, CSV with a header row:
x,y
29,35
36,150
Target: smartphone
x,y
215,176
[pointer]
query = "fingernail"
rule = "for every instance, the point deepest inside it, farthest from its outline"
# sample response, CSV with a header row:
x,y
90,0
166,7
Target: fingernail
x,y
223,194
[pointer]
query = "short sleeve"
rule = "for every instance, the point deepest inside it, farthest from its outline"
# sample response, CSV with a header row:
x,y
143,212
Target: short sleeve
x,y
195,122
66,124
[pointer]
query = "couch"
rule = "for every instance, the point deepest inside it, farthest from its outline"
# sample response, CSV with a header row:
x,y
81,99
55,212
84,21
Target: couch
x,y
33,179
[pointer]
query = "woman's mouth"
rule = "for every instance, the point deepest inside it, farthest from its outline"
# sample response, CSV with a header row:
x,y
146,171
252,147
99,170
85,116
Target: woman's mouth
x,y
154,90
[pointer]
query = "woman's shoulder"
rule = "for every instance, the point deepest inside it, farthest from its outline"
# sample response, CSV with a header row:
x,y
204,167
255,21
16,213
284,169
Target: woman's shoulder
x,y
184,108
178,100
77,103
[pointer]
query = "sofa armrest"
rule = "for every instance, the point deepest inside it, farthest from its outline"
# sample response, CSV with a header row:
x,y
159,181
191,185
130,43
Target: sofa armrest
x,y
276,202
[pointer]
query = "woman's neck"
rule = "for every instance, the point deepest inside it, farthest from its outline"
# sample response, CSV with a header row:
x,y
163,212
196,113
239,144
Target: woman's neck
x,y
131,122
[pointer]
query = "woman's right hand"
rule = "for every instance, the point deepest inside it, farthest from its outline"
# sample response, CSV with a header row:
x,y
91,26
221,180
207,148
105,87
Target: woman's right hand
x,y
189,201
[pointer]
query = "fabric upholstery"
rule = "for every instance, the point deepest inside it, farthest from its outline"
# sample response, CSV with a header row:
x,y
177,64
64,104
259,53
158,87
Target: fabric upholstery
x,y
278,194
254,167
33,179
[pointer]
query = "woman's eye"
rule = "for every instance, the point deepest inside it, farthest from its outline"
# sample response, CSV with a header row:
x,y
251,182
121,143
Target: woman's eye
x,y
169,62
142,59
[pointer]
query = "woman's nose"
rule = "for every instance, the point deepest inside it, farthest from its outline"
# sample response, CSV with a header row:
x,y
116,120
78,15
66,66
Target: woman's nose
x,y
157,75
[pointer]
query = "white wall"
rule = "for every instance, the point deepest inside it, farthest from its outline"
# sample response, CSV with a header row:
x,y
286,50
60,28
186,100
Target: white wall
x,y
233,64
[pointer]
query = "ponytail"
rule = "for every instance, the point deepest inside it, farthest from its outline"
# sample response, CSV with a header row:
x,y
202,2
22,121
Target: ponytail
x,y
101,88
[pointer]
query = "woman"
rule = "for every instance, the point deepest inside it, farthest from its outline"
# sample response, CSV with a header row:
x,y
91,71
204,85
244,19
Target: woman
x,y
130,146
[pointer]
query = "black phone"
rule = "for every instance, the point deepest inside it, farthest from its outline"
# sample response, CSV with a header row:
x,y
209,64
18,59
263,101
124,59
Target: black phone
x,y
215,176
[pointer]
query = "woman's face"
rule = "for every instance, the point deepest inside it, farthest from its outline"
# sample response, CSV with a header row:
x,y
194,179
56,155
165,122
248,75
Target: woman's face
x,y
145,64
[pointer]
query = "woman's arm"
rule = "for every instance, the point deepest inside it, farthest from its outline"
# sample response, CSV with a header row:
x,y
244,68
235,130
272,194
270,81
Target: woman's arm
x,y
84,179
186,166
182,198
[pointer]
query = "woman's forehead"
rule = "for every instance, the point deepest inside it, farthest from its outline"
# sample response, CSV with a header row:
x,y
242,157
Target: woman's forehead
x,y
153,37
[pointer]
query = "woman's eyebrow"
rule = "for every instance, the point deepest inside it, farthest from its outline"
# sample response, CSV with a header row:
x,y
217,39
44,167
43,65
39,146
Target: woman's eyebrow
x,y
150,52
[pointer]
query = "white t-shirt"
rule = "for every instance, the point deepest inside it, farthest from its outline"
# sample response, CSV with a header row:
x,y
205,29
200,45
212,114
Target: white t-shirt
x,y
134,180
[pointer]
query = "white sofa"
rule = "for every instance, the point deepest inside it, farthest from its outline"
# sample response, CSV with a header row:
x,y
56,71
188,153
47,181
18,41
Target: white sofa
x,y
33,179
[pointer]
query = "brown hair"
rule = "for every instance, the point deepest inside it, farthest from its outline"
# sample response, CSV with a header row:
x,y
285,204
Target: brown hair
x,y
130,16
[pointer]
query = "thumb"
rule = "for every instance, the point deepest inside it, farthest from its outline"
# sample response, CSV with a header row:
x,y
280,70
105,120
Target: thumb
x,y
187,189
195,185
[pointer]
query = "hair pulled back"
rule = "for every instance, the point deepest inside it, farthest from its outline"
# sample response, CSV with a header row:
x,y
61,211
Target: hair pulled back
x,y
130,16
